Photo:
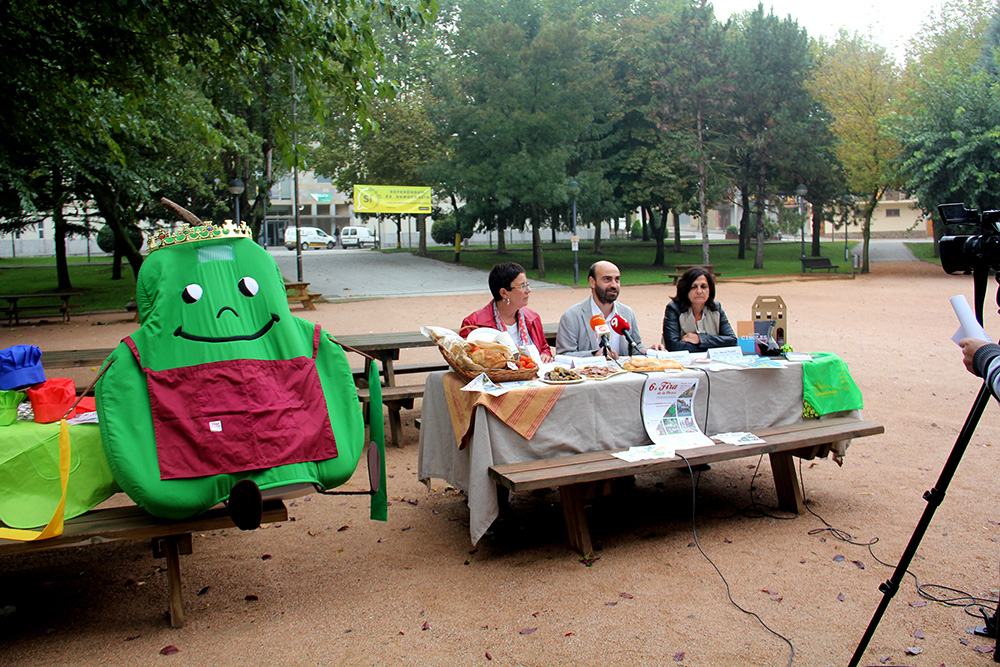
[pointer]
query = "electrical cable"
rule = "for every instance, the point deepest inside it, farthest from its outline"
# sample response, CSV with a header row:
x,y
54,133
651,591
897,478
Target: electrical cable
x,y
729,593
977,607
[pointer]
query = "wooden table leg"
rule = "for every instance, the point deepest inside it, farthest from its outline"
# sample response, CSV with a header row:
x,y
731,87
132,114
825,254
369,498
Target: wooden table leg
x,y
786,482
171,547
395,426
572,496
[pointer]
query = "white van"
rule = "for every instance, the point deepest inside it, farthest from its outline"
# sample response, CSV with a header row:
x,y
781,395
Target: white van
x,y
311,237
358,237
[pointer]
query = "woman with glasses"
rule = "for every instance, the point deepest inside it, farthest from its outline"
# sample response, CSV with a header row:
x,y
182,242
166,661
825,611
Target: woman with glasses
x,y
694,321
508,312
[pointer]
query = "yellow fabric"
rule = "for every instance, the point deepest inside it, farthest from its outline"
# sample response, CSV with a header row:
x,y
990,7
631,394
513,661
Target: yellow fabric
x,y
55,526
521,409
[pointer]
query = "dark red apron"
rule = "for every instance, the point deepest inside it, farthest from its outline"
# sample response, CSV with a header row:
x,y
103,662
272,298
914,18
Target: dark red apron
x,y
240,415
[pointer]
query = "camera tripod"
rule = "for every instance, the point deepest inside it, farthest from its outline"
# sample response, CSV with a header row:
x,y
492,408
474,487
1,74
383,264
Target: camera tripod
x,y
936,494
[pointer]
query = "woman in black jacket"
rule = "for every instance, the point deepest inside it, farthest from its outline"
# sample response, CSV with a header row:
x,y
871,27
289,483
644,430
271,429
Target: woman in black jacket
x,y
693,321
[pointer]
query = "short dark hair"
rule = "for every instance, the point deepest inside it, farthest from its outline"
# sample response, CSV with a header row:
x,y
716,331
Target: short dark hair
x,y
685,283
593,270
501,277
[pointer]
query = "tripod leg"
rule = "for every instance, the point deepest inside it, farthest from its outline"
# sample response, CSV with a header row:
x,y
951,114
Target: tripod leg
x,y
934,497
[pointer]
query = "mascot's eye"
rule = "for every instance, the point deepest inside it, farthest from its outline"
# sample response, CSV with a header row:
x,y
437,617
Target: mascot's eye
x,y
192,293
248,286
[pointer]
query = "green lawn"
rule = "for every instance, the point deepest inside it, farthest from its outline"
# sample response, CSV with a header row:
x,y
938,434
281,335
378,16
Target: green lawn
x,y
94,280
635,259
924,251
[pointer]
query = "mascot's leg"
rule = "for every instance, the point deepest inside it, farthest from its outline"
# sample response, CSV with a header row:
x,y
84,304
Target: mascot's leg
x,y
246,506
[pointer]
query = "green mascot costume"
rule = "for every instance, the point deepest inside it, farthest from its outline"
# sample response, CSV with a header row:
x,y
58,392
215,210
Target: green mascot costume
x,y
222,395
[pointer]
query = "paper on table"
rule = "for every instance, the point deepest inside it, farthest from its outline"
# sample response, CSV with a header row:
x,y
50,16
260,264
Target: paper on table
x,y
738,438
482,383
969,326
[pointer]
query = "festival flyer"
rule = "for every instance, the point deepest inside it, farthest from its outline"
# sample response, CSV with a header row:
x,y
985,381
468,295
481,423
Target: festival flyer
x,y
668,413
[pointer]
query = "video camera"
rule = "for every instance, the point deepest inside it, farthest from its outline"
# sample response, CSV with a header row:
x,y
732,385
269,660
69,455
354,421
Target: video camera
x,y
966,252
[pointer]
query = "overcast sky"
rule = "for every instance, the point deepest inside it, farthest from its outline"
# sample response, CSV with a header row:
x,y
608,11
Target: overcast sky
x,y
892,23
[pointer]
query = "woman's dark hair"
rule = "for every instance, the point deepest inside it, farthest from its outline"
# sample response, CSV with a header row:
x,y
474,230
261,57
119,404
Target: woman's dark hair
x,y
684,286
502,276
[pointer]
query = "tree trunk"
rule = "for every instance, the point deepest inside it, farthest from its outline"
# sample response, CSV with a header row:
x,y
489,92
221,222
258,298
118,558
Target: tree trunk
x,y
817,227
677,232
870,206
422,231
536,243
108,202
658,229
645,224
702,187
501,237
758,262
59,220
597,237
399,230
744,223
555,227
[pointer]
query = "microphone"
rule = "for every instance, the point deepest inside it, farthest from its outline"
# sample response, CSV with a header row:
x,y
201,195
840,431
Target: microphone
x,y
602,332
623,328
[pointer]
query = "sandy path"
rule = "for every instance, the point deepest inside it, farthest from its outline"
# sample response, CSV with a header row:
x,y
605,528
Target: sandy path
x,y
338,589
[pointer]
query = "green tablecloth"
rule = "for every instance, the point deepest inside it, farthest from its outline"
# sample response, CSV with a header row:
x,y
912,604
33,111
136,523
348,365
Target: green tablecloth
x,y
29,472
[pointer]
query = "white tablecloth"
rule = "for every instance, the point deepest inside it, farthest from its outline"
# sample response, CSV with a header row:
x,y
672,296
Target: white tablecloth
x,y
591,416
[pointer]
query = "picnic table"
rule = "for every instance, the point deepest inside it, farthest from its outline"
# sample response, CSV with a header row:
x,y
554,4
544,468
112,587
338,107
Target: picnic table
x,y
385,348
299,292
679,270
55,302
570,448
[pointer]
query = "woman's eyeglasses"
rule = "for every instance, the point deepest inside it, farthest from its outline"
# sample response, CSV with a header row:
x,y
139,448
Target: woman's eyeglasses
x,y
524,287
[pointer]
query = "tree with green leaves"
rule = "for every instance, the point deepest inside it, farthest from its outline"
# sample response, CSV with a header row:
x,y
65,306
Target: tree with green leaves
x,y
79,74
771,60
695,88
949,135
857,81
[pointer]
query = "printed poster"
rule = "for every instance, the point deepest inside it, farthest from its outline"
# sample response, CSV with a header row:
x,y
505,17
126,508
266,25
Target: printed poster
x,y
668,412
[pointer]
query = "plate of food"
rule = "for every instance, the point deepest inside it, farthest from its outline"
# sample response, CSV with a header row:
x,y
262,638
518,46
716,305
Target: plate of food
x,y
598,372
562,375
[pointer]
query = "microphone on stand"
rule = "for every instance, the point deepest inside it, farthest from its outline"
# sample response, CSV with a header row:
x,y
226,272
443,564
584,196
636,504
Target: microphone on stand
x,y
603,334
623,328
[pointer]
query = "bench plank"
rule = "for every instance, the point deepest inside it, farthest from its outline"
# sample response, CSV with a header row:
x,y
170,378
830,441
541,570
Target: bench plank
x,y
576,473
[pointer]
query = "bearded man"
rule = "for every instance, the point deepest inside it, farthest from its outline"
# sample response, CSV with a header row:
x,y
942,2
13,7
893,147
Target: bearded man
x,y
576,338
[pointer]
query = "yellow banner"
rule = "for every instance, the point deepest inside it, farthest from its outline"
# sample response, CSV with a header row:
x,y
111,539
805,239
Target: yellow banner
x,y
392,199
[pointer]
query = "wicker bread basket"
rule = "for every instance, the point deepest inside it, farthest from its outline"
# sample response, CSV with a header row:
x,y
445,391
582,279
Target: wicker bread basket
x,y
495,374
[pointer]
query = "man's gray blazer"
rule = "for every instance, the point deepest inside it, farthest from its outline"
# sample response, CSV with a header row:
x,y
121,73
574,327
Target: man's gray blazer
x,y
575,338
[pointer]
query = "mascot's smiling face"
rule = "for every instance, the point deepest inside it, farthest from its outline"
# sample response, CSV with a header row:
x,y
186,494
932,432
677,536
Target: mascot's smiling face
x,y
212,300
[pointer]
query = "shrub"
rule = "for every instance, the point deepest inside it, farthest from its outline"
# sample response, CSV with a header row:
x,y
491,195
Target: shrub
x,y
732,229
106,238
636,231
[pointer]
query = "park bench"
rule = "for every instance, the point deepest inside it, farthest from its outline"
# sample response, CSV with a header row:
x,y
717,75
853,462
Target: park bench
x,y
580,476
170,539
814,263
53,303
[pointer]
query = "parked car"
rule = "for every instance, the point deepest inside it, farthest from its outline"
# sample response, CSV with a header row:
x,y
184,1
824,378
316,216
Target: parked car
x,y
358,237
311,237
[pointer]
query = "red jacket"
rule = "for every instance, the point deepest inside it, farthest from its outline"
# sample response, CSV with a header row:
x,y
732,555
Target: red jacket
x,y
484,318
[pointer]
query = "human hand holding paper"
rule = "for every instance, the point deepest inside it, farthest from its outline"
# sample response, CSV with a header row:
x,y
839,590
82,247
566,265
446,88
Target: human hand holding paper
x,y
969,326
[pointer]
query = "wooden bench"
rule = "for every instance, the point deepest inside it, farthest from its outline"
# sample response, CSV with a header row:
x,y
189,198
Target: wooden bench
x,y
170,539
815,263
57,302
577,476
394,399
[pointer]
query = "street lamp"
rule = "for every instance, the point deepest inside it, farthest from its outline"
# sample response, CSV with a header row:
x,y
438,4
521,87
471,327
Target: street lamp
x,y
236,188
574,189
801,190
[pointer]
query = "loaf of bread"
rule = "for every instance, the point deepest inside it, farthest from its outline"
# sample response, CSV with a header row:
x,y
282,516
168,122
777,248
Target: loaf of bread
x,y
652,364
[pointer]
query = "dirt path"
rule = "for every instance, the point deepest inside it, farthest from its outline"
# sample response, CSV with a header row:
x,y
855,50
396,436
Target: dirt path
x,y
333,588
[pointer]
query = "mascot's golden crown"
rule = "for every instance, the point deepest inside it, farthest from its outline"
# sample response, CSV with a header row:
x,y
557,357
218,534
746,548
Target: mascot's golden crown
x,y
203,232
